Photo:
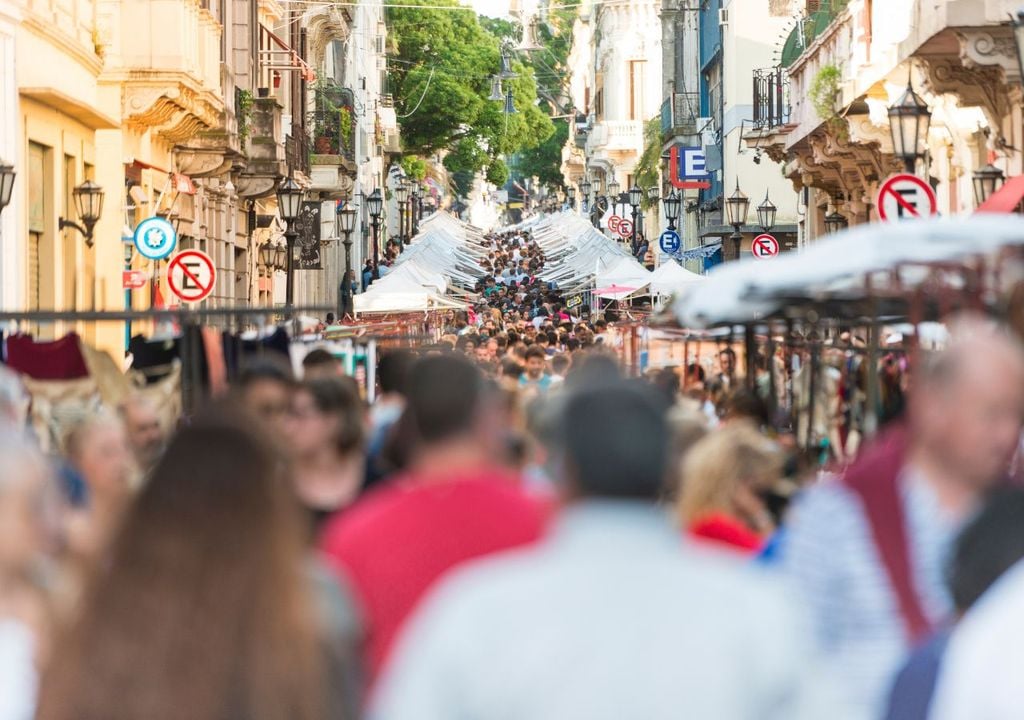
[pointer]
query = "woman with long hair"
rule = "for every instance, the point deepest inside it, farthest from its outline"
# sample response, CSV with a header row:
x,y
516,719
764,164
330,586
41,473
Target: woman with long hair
x,y
201,609
724,478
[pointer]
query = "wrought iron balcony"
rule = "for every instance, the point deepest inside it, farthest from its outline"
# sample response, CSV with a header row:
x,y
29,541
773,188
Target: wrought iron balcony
x,y
771,98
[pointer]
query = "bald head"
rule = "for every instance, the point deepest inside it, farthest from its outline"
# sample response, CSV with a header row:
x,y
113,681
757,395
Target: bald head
x,y
967,408
143,428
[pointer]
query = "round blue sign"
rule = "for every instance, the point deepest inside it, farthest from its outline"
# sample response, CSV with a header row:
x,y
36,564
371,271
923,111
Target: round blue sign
x,y
155,238
670,242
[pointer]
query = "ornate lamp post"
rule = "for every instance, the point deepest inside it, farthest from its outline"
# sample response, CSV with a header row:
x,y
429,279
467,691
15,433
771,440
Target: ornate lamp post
x,y
766,213
7,175
289,204
835,222
909,120
737,206
374,204
347,225
673,203
402,196
585,188
570,193
986,181
416,208
88,198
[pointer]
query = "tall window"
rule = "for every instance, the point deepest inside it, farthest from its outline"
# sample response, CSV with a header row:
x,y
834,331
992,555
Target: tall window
x,y
636,89
37,209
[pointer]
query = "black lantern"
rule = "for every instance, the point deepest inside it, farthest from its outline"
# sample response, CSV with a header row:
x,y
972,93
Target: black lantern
x,y
510,105
909,120
835,222
987,180
375,204
653,194
737,207
402,192
347,220
672,203
7,176
289,200
613,188
267,255
585,188
636,196
280,257
766,213
571,194
88,198
289,204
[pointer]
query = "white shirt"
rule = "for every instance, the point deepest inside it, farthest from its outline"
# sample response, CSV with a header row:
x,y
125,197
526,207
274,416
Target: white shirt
x,y
980,678
829,553
611,618
18,680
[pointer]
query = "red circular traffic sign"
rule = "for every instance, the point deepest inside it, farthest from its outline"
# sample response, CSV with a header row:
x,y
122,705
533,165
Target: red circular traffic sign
x,y
765,246
905,196
625,229
191,276
613,223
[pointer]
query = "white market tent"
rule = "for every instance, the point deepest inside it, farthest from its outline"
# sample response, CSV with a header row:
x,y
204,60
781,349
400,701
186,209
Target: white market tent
x,y
837,267
671,278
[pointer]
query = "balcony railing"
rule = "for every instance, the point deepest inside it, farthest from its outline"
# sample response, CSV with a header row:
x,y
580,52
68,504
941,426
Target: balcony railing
x,y
296,150
679,114
820,14
771,98
333,122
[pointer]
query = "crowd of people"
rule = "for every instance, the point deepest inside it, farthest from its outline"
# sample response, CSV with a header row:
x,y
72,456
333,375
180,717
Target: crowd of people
x,y
516,529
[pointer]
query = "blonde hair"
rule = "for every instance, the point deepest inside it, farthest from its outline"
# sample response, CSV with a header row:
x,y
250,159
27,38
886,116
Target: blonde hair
x,y
717,466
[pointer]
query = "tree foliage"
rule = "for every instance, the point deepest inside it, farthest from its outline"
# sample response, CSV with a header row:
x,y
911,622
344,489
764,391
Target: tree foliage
x,y
646,173
442,81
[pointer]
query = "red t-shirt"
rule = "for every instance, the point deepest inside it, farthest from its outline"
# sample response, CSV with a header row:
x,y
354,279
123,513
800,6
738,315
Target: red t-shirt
x,y
396,543
723,529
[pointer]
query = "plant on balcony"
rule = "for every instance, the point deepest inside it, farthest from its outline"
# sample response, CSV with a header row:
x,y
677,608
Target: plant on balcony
x,y
824,94
345,125
243,110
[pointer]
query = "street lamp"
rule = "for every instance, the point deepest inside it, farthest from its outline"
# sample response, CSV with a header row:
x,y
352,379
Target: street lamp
x,y
347,225
289,203
88,198
766,213
737,206
673,203
613,188
571,194
636,196
374,204
986,181
909,120
7,175
416,208
585,188
402,196
835,222
280,257
268,255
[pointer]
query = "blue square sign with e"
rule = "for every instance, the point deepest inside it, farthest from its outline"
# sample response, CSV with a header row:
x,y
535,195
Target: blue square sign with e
x,y
693,163
670,242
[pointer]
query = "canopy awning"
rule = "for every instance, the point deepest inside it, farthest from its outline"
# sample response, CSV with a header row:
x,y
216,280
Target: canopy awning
x,y
1006,199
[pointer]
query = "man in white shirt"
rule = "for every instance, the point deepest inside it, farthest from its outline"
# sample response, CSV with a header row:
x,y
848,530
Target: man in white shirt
x,y
614,617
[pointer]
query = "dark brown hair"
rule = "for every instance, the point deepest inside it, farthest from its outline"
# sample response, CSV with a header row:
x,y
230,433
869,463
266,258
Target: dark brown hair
x,y
201,608
340,396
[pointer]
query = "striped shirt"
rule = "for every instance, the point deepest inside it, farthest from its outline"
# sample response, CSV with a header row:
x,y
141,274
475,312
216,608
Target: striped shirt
x,y
831,557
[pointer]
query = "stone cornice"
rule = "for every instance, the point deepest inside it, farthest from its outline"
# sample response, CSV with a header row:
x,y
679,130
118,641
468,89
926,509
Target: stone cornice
x,y
171,103
58,38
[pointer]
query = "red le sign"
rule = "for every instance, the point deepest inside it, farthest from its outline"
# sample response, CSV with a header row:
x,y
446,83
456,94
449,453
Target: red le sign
x,y
133,279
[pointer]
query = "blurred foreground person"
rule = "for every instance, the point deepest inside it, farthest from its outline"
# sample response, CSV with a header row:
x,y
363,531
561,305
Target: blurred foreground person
x,y
14,401
202,610
990,545
325,438
868,552
264,389
97,451
724,479
612,617
454,504
146,435
23,610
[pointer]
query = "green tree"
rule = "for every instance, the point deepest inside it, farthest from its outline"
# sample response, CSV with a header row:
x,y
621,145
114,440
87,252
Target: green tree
x,y
442,82
646,173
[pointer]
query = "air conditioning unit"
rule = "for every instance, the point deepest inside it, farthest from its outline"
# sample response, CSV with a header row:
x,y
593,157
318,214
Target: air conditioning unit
x,y
723,16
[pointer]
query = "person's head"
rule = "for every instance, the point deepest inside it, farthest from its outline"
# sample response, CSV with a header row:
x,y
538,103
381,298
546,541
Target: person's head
x,y
329,319
23,480
204,588
616,441
741,404
727,361
97,448
560,365
264,388
666,380
449,401
967,404
145,433
990,544
326,414
536,361
726,472
320,363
